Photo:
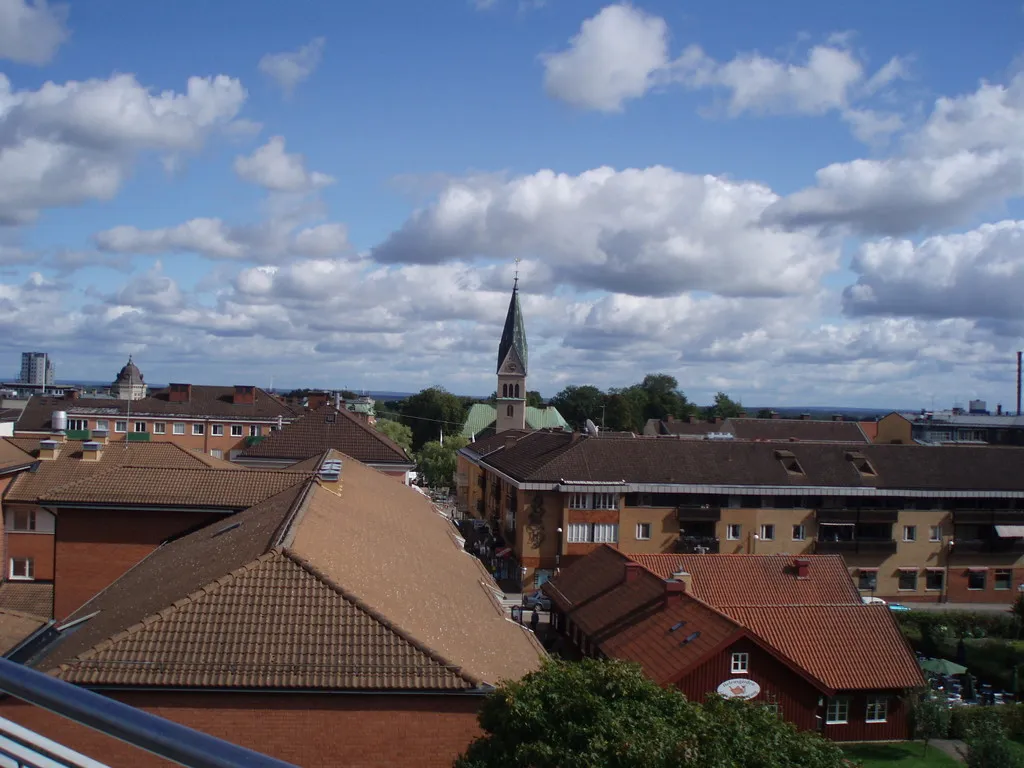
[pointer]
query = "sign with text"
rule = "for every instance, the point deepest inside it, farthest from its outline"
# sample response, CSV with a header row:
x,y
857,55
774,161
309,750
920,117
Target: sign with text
x,y
739,688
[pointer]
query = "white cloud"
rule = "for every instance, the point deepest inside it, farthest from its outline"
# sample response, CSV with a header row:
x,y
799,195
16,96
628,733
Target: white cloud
x,y
272,168
617,55
652,232
31,31
872,127
151,290
210,237
289,69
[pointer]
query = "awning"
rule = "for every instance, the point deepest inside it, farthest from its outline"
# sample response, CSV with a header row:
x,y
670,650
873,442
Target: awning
x,y
978,568
868,570
1010,531
831,523
934,569
908,568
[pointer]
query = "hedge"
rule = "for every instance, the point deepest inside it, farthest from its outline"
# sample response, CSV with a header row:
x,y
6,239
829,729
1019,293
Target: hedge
x,y
960,624
1011,717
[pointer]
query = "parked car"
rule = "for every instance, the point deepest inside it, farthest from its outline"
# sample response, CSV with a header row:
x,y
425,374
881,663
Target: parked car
x,y
537,600
879,601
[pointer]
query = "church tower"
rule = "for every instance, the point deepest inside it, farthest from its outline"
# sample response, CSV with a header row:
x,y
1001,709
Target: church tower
x,y
512,368
129,384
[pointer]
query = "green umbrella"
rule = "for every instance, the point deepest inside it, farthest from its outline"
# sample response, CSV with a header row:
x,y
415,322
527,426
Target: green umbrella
x,y
942,667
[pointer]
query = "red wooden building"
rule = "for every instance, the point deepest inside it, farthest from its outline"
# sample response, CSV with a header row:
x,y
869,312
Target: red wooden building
x,y
789,633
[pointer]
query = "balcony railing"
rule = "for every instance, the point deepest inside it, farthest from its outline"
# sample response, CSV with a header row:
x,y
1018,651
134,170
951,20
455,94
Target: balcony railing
x,y
146,732
987,546
856,546
697,545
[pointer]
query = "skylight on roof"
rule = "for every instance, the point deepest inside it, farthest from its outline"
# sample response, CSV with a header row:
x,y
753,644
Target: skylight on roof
x,y
690,638
677,626
225,529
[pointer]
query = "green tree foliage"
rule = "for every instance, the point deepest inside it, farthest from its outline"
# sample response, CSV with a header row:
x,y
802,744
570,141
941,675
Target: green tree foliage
x,y
725,407
930,719
764,413
988,745
533,399
399,433
437,462
577,404
430,411
608,714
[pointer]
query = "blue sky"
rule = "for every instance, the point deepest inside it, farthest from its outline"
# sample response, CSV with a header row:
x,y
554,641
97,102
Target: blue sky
x,y
341,201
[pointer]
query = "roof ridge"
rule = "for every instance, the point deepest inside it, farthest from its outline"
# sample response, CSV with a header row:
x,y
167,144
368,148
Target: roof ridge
x,y
370,430
379,617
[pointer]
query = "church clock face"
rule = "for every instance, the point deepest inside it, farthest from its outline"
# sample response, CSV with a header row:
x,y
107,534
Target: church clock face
x,y
511,366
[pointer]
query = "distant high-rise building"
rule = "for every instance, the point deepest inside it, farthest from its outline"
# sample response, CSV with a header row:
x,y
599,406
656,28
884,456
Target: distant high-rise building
x,y
36,369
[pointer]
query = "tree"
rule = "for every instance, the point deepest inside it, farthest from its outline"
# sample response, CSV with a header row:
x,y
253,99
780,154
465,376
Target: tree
x,y
533,399
1017,609
930,719
725,407
988,745
438,462
608,714
625,409
579,403
399,433
430,411
764,413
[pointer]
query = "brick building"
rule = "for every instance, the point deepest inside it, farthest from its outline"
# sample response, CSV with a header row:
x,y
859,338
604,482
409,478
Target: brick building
x,y
912,522
789,633
339,621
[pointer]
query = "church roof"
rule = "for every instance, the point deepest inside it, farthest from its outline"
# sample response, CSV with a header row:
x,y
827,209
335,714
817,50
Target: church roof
x,y
514,334
130,374
482,417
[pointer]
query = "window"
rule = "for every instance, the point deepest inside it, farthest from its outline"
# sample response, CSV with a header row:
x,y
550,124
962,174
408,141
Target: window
x,y
217,453
643,531
178,429
236,430
120,426
140,426
198,429
606,533
78,425
254,430
579,533
878,709
910,533
579,501
732,531
1002,579
510,411
867,579
22,568
102,424
517,390
934,533
23,520
908,580
504,390
740,663
159,428
606,501
799,534
976,579
933,580
838,711
768,532
217,430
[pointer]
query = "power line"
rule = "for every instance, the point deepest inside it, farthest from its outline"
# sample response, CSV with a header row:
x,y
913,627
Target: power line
x,y
419,418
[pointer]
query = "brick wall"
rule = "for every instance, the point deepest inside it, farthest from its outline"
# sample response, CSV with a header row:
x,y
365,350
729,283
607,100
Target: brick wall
x,y
37,546
957,590
313,731
94,547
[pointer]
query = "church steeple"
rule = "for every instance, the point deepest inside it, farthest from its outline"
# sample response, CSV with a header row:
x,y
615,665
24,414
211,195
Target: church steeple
x,y
512,362
513,337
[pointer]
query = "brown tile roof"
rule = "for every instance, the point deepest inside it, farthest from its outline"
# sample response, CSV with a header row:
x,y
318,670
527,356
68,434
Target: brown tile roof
x,y
16,626
206,401
728,580
484,445
13,457
870,429
813,430
329,428
687,427
552,457
9,414
31,597
363,588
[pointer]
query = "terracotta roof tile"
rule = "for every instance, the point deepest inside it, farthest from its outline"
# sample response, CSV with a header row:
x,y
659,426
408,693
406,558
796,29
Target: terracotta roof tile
x,y
329,428
812,430
31,597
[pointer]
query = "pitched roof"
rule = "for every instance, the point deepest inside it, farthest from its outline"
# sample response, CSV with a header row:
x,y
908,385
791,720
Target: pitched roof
x,y
205,401
9,414
814,430
32,597
870,429
729,580
482,417
12,456
325,429
16,626
513,335
358,588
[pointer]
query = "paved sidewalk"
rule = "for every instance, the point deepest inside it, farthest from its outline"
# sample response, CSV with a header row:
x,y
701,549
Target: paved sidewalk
x,y
952,747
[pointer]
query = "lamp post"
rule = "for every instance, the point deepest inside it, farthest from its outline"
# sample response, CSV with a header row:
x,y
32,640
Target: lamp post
x,y
558,552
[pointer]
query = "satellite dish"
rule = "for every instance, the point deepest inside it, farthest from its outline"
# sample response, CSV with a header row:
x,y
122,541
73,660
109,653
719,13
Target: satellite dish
x,y
591,428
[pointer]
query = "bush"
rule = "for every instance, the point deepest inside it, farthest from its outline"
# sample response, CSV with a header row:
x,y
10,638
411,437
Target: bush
x,y
964,720
987,742
956,624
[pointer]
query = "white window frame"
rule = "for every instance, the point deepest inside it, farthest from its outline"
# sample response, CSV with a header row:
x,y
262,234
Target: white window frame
x,y
643,531
799,532
579,533
767,528
877,709
917,581
606,501
909,533
103,424
995,576
838,711
217,430
137,424
78,425
236,430
30,569
739,663
255,430
729,531
606,533
579,501
178,428
198,429
217,453
30,520
934,533
121,426
159,427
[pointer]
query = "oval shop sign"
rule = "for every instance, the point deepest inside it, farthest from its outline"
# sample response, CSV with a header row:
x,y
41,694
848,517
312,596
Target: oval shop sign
x,y
739,688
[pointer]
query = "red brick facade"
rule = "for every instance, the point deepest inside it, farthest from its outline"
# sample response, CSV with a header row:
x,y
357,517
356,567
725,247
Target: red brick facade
x,y
308,730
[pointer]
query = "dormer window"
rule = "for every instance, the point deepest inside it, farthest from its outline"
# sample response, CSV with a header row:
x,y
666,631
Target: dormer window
x,y
861,463
789,461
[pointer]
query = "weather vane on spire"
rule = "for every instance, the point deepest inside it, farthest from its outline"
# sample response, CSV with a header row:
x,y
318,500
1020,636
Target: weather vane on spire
x,y
516,282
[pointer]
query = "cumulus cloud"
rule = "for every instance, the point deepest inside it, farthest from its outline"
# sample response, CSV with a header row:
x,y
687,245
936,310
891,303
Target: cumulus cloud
x,y
272,168
67,143
31,31
289,69
652,231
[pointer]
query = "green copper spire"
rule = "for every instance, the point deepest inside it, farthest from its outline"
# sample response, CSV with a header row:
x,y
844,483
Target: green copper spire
x,y
514,334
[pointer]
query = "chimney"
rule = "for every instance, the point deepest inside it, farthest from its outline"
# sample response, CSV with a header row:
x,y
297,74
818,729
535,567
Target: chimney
x,y
718,420
330,474
180,393
70,394
58,435
803,567
693,419
100,436
684,577
92,451
674,591
1018,381
49,449
670,418
805,417
510,440
743,415
775,415
633,571
244,395
837,417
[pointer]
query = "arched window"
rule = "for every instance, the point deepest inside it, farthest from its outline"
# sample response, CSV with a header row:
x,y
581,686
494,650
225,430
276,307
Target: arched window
x,y
504,390
517,390
510,411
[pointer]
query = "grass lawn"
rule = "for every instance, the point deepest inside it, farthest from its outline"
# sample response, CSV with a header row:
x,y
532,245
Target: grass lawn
x,y
899,755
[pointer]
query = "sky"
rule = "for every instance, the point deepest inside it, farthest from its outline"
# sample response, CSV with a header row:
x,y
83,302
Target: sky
x,y
797,203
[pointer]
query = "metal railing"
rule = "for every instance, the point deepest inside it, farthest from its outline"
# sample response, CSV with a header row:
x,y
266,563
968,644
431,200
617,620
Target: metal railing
x,y
20,746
